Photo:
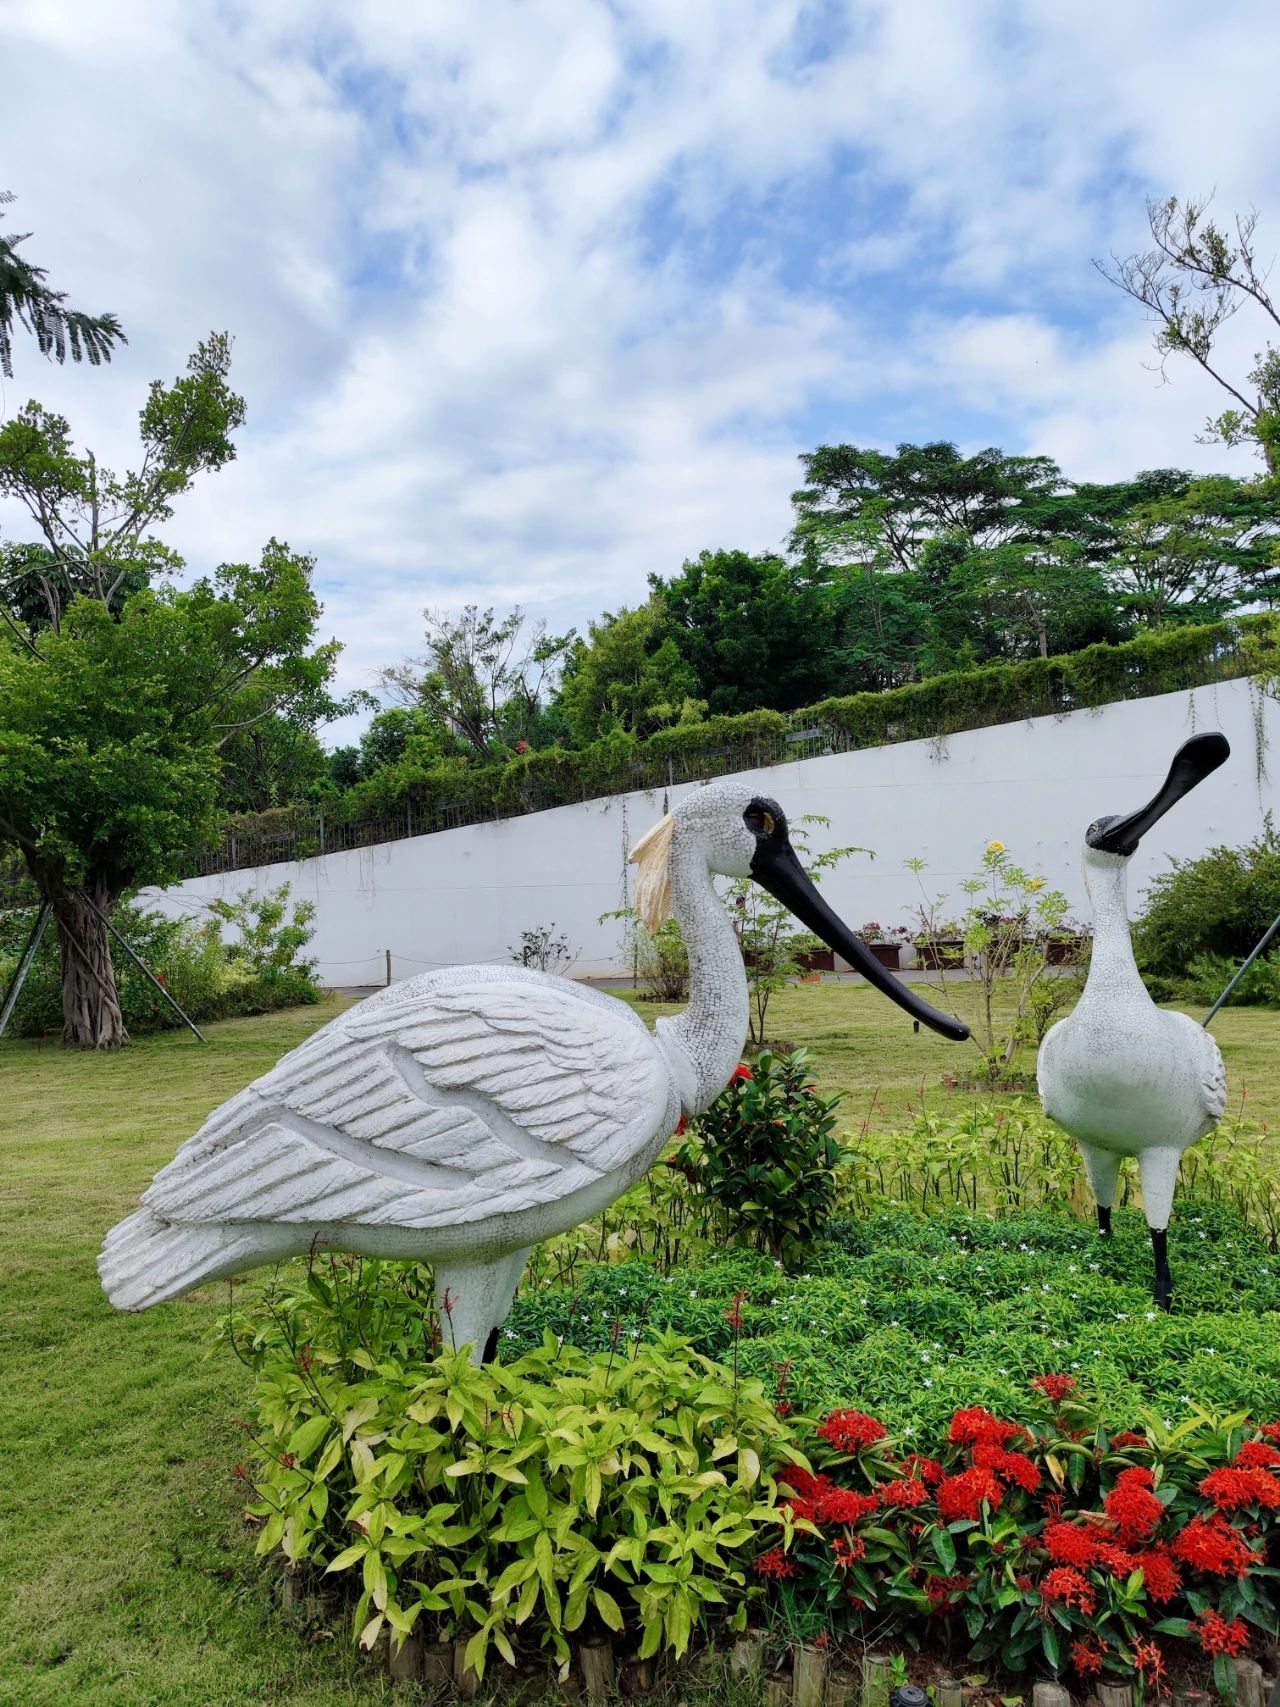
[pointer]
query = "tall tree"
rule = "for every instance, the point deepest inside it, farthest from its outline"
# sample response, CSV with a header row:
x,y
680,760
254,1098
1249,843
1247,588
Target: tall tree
x,y
1193,279
750,628
485,679
59,331
628,673
117,696
1192,557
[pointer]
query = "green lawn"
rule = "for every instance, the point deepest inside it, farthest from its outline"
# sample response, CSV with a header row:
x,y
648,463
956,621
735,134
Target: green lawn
x,y
125,1570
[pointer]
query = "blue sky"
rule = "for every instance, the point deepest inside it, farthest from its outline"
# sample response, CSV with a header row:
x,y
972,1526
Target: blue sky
x,y
534,297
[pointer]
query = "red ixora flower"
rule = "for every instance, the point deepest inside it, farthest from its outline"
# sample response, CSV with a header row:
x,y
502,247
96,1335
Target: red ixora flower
x,y
909,1491
850,1430
978,1424
1218,1637
1148,1660
1131,1505
1068,1586
1271,1431
962,1496
843,1505
1055,1387
741,1071
1256,1455
775,1563
847,1550
1162,1576
1211,1544
1229,1489
941,1589
1088,1659
928,1469
1130,1438
1070,1544
1009,1466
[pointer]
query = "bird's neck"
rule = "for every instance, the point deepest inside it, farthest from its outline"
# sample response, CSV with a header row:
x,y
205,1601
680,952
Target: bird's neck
x,y
704,1043
1111,962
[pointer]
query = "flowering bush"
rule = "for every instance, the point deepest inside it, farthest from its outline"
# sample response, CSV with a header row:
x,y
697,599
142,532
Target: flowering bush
x,y
766,1155
1040,1541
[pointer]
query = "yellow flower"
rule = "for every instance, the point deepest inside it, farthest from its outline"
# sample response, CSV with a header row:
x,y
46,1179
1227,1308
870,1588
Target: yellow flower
x,y
995,847
1035,883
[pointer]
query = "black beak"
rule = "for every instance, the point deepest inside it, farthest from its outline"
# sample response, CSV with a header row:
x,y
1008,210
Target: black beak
x,y
776,868
1192,763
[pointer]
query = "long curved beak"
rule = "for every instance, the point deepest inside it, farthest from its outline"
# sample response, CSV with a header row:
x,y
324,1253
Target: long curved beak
x,y
1192,763
777,869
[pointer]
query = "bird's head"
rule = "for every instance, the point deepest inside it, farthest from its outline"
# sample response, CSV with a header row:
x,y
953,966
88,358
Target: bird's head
x,y
1112,840
735,832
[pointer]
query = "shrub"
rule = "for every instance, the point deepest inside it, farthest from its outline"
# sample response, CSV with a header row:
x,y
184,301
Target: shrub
x,y
1217,905
766,1155
560,1495
1047,1540
543,950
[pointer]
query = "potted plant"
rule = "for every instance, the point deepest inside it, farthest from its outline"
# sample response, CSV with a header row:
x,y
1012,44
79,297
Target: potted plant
x,y
810,953
1066,944
939,943
886,942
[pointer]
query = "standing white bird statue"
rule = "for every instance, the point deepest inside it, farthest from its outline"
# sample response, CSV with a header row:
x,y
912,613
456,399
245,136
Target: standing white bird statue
x,y
1121,1075
461,1116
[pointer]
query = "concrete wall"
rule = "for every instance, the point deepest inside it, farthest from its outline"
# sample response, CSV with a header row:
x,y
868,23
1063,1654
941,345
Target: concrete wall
x,y
465,895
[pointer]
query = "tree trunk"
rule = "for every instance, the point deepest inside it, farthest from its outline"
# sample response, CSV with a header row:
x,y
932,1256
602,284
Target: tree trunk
x,y
91,1016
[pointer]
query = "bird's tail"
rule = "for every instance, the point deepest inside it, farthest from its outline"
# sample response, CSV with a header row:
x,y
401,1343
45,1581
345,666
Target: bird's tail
x,y
145,1260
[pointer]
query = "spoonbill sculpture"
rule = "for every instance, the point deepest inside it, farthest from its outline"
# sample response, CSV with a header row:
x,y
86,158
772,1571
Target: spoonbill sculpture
x,y
1121,1075
461,1116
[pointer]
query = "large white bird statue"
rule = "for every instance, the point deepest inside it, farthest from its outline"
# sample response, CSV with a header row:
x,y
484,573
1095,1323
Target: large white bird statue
x,y
1121,1075
461,1116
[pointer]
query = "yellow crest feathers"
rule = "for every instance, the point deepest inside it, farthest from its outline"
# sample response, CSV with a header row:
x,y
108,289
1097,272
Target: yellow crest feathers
x,y
652,854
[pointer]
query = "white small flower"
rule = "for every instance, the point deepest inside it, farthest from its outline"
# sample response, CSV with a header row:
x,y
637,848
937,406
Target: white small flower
x,y
928,1383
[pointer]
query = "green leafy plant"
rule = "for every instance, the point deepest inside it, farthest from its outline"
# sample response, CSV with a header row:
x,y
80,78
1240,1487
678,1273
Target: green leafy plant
x,y
556,1497
659,959
1005,929
766,1155
544,950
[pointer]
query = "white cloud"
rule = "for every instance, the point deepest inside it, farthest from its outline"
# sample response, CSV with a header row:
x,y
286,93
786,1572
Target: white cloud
x,y
535,297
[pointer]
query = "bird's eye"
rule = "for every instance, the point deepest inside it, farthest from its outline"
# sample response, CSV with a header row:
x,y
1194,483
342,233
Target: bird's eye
x,y
1093,828
758,821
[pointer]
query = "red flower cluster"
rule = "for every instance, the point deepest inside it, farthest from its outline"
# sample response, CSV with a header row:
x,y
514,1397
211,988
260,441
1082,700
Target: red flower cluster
x,y
1257,1455
741,1071
843,1505
847,1550
908,1491
1148,1660
1211,1544
1088,1659
1131,1505
1219,1637
942,1591
962,1496
849,1430
1230,1489
977,1424
1070,1544
1068,1586
1013,1467
928,1469
1130,1438
1271,1431
1054,1387
775,1563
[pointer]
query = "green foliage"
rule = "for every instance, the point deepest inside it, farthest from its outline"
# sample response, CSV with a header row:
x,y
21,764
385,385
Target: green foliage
x,y
659,959
26,299
435,792
558,1495
1006,929
1216,906
206,977
628,674
766,1156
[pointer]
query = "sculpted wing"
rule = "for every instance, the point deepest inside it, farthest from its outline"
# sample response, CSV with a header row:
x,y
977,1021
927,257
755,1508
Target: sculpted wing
x,y
451,1101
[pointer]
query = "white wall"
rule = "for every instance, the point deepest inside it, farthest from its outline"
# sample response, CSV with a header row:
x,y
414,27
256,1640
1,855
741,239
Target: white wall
x,y
465,895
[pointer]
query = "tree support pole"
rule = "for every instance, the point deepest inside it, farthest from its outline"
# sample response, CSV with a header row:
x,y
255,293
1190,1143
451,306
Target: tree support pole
x,y
24,965
1275,926
146,971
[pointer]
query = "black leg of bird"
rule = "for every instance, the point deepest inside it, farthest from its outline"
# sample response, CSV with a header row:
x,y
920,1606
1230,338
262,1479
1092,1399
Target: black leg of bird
x,y
1164,1280
1104,1220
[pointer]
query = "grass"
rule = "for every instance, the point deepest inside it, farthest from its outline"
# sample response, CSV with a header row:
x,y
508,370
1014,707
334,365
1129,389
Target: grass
x,y
126,1570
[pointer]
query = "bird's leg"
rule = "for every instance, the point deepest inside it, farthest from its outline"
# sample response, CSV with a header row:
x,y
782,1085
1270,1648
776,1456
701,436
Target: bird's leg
x,y
1159,1170
1103,1169
1164,1280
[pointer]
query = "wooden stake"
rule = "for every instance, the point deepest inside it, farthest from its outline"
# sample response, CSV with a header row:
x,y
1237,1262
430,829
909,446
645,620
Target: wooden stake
x,y
1250,1690
406,1660
437,1665
876,1672
1048,1694
388,967
842,1691
465,1680
638,1677
1114,1694
777,1692
810,1676
948,1693
746,1658
596,1661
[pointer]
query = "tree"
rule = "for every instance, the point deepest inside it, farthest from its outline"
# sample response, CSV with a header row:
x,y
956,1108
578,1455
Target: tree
x,y
1030,598
627,674
1190,558
912,496
1191,282
58,331
483,678
750,629
117,696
